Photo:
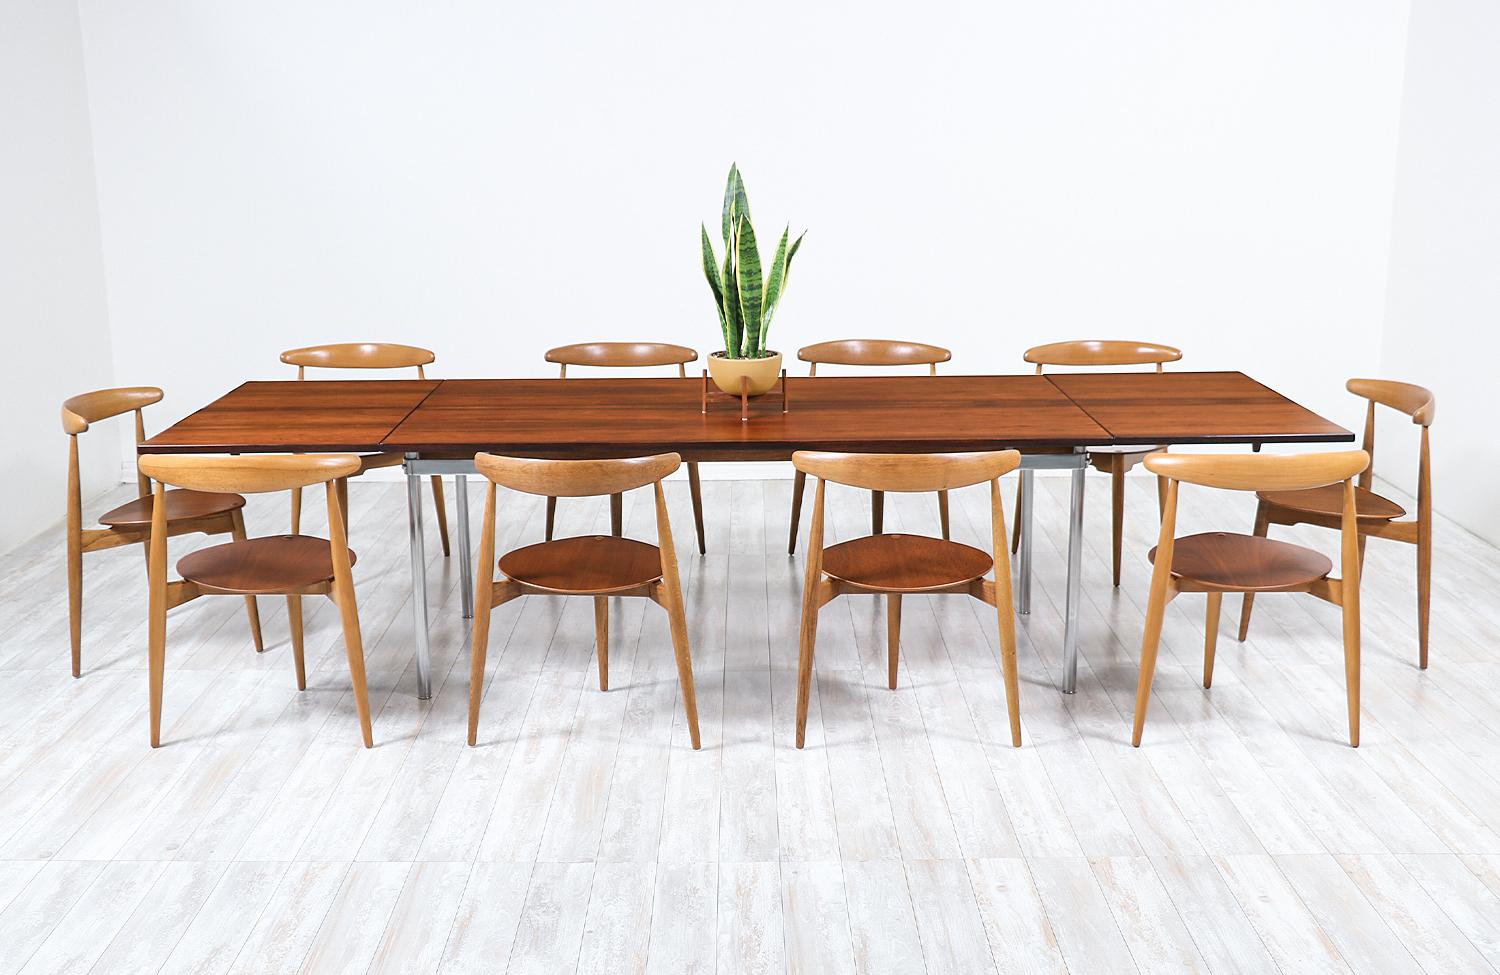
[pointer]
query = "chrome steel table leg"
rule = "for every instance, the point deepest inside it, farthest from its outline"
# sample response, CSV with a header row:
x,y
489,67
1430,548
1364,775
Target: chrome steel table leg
x,y
418,579
1075,573
465,553
1023,518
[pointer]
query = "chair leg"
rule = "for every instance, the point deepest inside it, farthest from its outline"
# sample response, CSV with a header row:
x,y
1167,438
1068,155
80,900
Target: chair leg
x,y
479,643
551,518
75,601
237,532
1015,529
943,513
439,507
877,512
296,511
617,515
892,636
695,487
799,484
1156,609
601,638
294,624
355,650
677,621
1424,593
157,658
1117,523
1262,525
1211,636
809,638
1351,665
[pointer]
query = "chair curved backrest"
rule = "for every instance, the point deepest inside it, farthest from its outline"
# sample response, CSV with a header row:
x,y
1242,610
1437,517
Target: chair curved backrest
x,y
575,478
1416,402
248,474
1259,472
360,355
622,354
907,472
101,404
873,352
1102,352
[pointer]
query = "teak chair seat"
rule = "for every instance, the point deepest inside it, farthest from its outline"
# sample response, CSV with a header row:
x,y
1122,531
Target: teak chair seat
x,y
186,512
289,565
896,564
629,355
599,566
1376,515
368,355
876,353
1218,562
1116,461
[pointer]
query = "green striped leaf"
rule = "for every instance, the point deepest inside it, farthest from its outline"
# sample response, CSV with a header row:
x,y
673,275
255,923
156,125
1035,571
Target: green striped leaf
x,y
775,282
751,284
729,185
711,271
733,327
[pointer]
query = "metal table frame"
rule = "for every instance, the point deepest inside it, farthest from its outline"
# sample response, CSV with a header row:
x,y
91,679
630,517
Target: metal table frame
x,y
417,468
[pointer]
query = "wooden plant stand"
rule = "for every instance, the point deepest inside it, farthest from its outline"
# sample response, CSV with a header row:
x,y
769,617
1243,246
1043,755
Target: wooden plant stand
x,y
744,395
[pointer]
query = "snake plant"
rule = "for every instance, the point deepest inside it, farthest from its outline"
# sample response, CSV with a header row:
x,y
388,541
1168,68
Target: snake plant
x,y
746,302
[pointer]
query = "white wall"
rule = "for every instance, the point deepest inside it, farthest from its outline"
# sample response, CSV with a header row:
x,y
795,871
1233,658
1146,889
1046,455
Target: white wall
x,y
52,302
1443,322
493,179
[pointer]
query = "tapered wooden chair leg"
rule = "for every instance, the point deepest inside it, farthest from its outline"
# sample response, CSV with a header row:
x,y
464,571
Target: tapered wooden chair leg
x,y
1150,643
1015,530
601,638
75,601
695,487
799,483
809,638
1008,667
237,520
355,650
294,624
479,644
1211,636
892,636
1117,514
943,513
677,621
1351,675
156,653
551,519
1424,593
439,507
617,515
1262,526
877,512
296,511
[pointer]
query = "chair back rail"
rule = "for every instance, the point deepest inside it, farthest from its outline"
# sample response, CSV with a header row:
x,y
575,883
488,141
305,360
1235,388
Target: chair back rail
x,y
1102,352
575,478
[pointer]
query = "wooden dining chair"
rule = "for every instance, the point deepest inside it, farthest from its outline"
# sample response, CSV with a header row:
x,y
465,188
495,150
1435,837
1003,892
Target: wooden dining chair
x,y
600,566
185,511
1114,461
289,565
367,355
630,355
867,352
1220,562
892,565
1376,514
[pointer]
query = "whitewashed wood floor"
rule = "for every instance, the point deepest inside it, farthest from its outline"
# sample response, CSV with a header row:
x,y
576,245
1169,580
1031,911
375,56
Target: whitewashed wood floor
x,y
583,834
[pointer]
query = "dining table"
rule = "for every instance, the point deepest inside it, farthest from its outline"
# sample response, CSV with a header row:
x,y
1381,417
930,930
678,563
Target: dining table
x,y
438,425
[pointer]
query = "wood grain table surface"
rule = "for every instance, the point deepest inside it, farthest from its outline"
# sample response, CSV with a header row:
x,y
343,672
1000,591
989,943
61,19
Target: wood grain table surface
x,y
624,416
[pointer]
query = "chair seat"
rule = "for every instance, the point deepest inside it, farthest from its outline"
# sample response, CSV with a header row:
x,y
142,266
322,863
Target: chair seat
x,y
1128,448
182,505
905,563
370,462
1329,500
260,566
1244,563
584,565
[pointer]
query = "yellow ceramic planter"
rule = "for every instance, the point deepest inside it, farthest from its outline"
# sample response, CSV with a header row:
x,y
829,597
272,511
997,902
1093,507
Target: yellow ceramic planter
x,y
762,373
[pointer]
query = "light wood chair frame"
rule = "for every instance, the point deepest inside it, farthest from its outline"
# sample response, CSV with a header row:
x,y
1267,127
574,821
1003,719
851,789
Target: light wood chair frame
x,y
1419,404
1109,460
580,478
1252,473
255,475
629,355
877,353
907,473
368,355
78,412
